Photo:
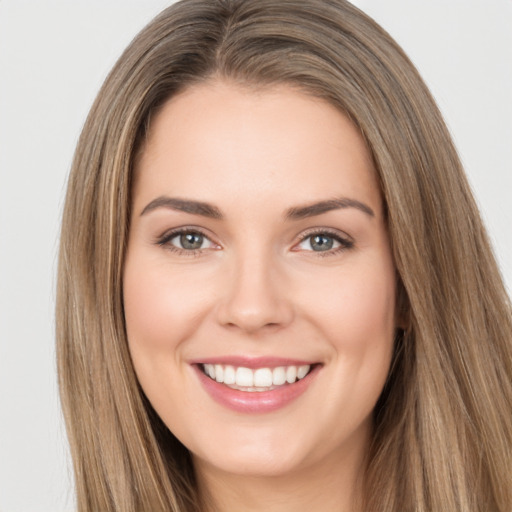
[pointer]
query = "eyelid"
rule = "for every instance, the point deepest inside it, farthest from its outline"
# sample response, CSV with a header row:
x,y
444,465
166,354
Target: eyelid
x,y
346,242
164,239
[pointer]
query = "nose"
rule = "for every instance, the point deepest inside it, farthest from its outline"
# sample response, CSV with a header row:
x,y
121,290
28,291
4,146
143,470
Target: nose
x,y
255,297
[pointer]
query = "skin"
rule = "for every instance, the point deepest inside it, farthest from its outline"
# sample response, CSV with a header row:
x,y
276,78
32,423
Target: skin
x,y
258,287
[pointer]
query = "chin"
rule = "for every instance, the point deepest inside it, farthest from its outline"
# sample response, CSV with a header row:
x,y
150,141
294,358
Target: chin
x,y
256,464
257,452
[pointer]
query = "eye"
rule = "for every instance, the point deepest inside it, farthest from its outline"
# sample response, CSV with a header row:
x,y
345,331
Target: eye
x,y
324,242
186,241
189,241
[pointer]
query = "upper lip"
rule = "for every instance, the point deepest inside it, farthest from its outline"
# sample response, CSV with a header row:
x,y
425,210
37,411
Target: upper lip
x,y
254,362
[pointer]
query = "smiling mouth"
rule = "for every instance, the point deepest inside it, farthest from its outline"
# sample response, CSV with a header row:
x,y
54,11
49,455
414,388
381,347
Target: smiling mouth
x,y
255,380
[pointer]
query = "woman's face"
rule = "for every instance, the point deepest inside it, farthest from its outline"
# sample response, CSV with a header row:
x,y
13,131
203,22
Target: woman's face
x,y
258,256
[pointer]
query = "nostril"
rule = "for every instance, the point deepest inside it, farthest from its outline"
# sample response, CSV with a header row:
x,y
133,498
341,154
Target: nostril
x,y
268,317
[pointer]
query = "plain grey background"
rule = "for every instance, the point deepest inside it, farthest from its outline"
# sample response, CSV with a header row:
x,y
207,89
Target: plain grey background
x,y
54,56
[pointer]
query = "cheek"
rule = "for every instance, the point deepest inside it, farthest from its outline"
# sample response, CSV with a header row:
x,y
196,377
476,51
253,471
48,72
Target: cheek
x,y
356,307
357,319
368,308
162,306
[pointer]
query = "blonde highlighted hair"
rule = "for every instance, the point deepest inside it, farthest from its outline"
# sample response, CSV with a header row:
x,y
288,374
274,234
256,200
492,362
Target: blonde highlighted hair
x,y
443,425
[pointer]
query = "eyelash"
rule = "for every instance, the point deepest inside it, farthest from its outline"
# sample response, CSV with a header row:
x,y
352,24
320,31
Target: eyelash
x,y
164,241
345,242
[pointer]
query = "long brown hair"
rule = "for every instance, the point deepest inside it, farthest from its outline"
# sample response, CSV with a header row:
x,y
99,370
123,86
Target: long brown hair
x,y
443,425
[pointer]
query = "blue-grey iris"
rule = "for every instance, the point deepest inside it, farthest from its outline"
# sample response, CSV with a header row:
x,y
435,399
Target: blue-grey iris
x,y
321,242
191,241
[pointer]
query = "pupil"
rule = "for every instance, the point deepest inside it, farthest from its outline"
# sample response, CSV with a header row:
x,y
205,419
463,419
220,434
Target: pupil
x,y
191,241
321,243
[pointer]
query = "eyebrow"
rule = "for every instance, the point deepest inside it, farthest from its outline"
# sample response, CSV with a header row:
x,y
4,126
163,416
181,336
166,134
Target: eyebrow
x,y
294,213
301,212
184,205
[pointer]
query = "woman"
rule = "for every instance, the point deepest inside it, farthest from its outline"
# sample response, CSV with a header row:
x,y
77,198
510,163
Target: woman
x,y
275,289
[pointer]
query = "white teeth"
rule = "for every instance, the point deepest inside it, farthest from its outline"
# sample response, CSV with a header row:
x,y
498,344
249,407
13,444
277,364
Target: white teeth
x,y
229,375
302,371
259,379
244,377
291,374
210,370
263,378
219,373
279,376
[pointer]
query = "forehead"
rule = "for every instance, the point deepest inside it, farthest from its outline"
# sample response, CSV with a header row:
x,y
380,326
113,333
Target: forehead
x,y
217,140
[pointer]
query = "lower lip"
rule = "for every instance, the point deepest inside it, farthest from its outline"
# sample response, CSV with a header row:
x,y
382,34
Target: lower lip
x,y
255,401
